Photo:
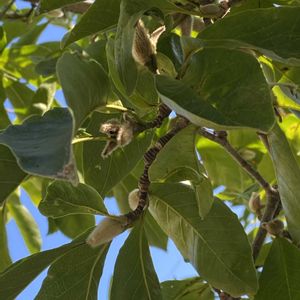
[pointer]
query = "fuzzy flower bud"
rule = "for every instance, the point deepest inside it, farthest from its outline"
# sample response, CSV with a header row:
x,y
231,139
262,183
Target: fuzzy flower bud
x,y
274,227
133,199
105,231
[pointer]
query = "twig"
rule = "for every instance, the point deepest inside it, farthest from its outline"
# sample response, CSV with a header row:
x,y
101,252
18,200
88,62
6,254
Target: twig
x,y
149,157
221,138
273,208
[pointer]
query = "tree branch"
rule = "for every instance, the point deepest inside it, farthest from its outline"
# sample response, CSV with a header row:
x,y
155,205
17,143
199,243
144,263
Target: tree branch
x,y
149,157
221,138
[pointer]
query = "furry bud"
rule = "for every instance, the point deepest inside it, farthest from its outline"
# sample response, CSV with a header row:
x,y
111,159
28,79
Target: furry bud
x,y
274,227
144,46
212,10
133,199
105,231
254,203
120,134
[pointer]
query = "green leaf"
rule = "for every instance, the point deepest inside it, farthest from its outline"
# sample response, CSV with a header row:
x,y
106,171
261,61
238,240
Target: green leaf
x,y
15,278
3,40
178,161
75,275
11,175
32,35
63,199
288,177
188,289
101,16
104,174
5,259
217,246
155,236
280,276
42,145
134,275
85,85
74,225
274,31
27,225
209,97
47,5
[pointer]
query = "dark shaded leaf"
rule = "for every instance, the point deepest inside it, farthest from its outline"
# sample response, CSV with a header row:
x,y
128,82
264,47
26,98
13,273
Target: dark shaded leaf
x,y
85,85
280,276
134,275
5,259
75,275
288,177
42,145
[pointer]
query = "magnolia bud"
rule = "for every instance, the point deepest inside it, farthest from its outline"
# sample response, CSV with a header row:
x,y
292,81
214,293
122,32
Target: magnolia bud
x,y
212,10
274,227
125,134
133,199
254,203
105,231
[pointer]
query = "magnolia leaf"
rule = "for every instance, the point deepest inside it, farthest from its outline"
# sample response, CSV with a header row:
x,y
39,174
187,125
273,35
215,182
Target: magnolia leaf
x,y
188,289
5,259
279,279
27,225
208,244
207,96
178,161
42,145
134,275
15,278
280,25
75,275
101,16
11,175
85,85
62,199
288,177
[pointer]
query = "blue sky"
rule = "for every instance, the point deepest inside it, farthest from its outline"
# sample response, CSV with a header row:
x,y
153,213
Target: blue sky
x,y
169,264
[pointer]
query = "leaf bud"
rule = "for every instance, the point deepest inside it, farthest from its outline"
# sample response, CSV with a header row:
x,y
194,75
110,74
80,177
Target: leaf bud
x,y
254,203
212,10
105,231
274,227
133,199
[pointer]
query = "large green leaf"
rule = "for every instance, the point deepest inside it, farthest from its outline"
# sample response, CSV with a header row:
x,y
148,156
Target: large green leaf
x,y
130,12
47,5
15,278
74,225
42,145
188,289
85,85
104,174
208,96
75,275
11,175
4,120
63,199
5,259
3,40
280,276
178,161
273,31
134,275
101,16
288,177
27,225
217,246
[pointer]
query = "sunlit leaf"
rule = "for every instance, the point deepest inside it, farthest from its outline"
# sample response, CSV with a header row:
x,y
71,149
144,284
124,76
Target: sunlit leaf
x,y
63,199
208,244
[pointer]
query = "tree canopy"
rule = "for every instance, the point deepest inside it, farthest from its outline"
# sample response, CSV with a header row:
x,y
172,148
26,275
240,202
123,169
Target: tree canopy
x,y
186,112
